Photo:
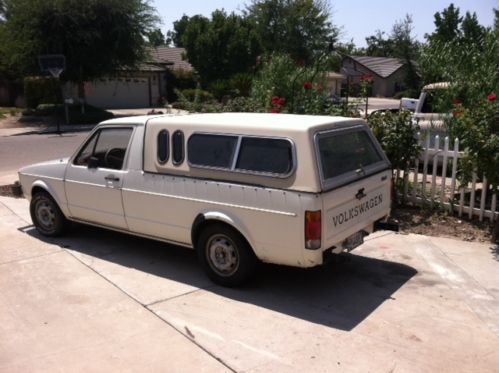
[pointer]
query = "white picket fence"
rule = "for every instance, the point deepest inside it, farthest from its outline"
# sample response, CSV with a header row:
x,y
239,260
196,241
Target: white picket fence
x,y
424,189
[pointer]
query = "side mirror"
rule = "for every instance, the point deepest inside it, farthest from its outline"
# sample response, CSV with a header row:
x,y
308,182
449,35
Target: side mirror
x,y
93,162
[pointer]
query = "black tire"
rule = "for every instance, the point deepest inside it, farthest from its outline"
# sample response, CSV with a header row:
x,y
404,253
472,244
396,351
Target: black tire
x,y
47,216
225,255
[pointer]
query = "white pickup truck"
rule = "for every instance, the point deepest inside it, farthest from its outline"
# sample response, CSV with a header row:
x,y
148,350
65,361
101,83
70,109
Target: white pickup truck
x,y
427,114
238,188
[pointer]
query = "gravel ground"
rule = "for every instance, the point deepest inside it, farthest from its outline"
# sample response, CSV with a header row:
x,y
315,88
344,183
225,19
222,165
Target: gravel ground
x,y
440,224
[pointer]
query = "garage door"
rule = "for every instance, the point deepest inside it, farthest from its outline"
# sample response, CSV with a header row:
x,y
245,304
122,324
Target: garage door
x,y
118,93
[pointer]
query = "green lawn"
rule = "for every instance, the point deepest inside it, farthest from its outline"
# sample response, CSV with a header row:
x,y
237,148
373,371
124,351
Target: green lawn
x,y
6,111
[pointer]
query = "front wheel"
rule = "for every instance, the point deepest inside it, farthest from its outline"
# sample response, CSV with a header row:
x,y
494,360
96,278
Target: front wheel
x,y
225,255
47,216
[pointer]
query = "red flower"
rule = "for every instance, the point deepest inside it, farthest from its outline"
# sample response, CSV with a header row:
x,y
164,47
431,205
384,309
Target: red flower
x,y
492,97
281,101
274,110
307,85
275,100
366,78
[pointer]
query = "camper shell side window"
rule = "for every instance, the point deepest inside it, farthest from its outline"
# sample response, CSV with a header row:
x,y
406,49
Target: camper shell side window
x,y
267,156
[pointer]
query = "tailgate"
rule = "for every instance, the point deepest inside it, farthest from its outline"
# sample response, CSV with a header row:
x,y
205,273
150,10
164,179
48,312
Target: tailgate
x,y
355,207
356,181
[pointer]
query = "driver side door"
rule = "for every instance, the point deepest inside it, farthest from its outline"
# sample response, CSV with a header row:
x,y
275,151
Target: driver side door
x,y
94,178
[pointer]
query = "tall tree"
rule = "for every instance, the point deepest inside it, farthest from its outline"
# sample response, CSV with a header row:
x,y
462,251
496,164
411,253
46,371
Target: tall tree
x,y
378,45
400,43
156,38
447,24
300,28
96,37
218,47
452,32
470,28
406,47
496,19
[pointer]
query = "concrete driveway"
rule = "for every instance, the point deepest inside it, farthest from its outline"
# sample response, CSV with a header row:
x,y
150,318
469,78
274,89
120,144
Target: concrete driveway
x,y
101,301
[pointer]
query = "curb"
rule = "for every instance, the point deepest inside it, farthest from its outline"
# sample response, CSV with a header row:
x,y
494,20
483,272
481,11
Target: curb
x,y
20,131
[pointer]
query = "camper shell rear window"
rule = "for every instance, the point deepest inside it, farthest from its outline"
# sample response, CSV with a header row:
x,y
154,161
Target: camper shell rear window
x,y
348,154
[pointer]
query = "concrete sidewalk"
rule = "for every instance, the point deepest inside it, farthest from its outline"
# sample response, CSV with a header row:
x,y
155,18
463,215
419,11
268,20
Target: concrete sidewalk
x,y
96,300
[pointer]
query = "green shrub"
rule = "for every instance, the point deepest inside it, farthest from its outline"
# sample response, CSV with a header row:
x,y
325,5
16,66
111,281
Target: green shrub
x,y
477,128
195,95
282,85
220,88
41,90
197,101
243,105
398,137
241,83
178,79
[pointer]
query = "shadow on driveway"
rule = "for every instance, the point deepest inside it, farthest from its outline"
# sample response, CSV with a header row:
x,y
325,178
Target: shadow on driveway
x,y
339,295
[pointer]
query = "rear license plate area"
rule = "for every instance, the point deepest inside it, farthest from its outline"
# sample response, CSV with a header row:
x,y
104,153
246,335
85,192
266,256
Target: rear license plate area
x,y
353,241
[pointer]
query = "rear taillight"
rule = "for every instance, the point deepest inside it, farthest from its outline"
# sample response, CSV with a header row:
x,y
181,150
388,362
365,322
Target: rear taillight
x,y
313,230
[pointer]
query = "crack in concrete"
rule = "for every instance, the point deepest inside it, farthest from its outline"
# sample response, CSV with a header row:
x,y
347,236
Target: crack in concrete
x,y
176,296
146,307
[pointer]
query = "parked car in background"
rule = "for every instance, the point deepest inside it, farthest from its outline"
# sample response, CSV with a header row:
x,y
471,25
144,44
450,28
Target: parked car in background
x,y
408,103
238,188
432,110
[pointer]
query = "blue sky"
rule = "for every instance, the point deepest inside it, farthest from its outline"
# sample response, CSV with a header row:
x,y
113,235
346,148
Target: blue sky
x,y
358,18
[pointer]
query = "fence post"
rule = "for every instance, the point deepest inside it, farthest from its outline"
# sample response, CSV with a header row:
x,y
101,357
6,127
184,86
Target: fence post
x,y
425,164
434,170
483,198
455,158
444,169
472,195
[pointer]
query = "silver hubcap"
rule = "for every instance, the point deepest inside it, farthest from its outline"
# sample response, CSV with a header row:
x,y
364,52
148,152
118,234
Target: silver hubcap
x,y
45,215
222,255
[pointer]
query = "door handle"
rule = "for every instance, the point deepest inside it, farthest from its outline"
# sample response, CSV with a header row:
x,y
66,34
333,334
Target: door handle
x,y
112,178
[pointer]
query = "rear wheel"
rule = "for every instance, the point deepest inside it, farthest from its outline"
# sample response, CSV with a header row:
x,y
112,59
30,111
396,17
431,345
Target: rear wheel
x,y
225,255
47,216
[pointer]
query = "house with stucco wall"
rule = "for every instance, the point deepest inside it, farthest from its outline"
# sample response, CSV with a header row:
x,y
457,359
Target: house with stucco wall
x,y
142,87
388,74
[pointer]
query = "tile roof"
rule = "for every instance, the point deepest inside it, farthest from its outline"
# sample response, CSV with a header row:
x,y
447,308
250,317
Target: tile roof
x,y
383,66
170,56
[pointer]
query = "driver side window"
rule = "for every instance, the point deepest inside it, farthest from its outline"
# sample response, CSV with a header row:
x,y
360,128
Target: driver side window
x,y
106,148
